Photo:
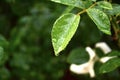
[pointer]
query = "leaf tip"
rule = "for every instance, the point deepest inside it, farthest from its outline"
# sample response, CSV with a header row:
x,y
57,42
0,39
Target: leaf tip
x,y
58,51
102,71
56,54
108,32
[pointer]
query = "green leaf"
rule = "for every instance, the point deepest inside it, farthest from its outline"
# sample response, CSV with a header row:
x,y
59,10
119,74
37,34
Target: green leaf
x,y
115,10
104,4
68,9
110,65
63,30
76,3
100,19
94,0
78,56
114,53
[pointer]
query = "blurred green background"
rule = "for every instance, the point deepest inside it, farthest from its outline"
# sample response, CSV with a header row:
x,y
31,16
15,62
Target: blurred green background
x,y
25,36
25,27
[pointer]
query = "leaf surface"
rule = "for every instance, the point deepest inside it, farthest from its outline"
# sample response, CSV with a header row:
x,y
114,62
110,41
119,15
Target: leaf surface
x,y
104,4
110,65
76,3
100,19
63,30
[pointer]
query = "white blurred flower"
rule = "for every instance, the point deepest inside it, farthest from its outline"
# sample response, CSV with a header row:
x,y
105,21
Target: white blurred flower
x,y
105,59
104,47
87,67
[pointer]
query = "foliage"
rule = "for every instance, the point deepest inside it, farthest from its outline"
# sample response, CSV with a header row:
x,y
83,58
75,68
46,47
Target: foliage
x,y
26,51
104,15
63,30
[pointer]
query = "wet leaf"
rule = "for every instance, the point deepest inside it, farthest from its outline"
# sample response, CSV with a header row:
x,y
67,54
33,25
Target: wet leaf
x,y
76,3
94,0
104,4
63,30
100,19
115,10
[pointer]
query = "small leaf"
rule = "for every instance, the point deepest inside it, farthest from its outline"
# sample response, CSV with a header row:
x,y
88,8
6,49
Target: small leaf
x,y
114,53
104,4
110,65
75,3
115,10
100,19
94,0
63,30
78,56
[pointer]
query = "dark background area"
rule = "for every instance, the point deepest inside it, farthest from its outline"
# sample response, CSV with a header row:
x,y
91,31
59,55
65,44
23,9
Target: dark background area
x,y
25,35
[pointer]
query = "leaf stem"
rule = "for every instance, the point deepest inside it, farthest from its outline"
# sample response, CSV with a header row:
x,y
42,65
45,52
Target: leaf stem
x,y
116,29
92,5
83,11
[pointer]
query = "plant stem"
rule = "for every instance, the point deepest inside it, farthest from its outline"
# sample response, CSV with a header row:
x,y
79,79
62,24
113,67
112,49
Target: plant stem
x,y
83,11
92,5
116,30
